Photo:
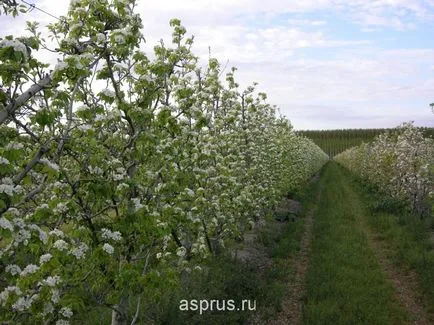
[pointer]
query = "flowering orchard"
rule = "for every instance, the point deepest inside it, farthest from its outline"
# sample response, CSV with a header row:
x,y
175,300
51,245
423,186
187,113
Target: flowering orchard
x,y
400,163
118,171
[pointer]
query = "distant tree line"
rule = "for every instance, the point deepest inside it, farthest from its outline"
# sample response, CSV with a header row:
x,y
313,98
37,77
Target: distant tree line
x,y
334,142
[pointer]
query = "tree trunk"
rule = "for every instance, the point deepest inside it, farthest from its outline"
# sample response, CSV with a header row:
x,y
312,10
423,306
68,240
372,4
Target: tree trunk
x,y
119,315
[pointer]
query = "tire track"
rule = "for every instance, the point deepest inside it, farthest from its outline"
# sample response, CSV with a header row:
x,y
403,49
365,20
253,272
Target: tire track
x,y
403,280
292,306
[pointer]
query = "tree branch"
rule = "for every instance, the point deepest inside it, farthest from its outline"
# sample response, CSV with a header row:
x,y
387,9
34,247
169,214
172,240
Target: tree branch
x,y
23,98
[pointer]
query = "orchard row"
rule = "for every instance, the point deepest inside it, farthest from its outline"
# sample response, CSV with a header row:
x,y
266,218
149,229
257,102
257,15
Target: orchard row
x,y
120,170
399,163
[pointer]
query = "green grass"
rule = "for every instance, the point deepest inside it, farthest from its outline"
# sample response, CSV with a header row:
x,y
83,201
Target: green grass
x,y
282,247
407,237
345,283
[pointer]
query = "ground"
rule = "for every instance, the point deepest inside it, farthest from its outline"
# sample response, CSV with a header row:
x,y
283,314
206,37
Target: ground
x,y
346,270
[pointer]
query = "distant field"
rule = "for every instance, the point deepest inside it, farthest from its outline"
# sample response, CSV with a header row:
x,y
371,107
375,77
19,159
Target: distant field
x,y
334,142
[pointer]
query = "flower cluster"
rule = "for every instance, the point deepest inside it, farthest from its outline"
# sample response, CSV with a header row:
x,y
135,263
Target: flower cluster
x,y
16,45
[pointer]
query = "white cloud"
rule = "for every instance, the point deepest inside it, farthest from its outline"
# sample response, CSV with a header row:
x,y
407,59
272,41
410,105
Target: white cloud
x,y
370,29
306,22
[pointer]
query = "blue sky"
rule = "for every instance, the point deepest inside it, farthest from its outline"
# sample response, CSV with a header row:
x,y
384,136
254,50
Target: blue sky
x,y
326,63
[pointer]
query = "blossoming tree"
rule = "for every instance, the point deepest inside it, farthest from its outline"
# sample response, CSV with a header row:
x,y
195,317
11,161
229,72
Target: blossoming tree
x,y
118,170
399,163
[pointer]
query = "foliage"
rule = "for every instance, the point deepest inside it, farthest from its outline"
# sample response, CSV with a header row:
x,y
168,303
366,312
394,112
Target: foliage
x,y
119,171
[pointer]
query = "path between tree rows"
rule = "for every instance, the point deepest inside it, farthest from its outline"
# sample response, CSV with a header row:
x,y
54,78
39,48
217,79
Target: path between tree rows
x,y
344,274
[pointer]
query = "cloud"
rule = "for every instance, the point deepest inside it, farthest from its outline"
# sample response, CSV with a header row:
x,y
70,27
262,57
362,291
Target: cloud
x,y
243,44
370,29
306,22
397,23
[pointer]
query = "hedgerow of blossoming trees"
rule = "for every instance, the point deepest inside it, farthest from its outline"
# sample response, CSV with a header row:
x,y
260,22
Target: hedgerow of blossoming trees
x,y
399,163
117,170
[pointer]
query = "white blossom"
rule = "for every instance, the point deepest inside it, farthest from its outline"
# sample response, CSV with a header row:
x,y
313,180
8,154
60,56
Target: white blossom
x,y
17,45
45,258
50,164
43,206
7,189
13,269
189,192
122,186
85,127
146,77
137,204
113,235
99,117
43,237
5,224
4,295
61,245
161,224
24,303
109,93
14,146
66,312
61,65
18,222
120,39
22,236
61,208
95,170
108,248
29,269
79,251
51,281
100,38
14,211
57,232
55,296
62,322
48,308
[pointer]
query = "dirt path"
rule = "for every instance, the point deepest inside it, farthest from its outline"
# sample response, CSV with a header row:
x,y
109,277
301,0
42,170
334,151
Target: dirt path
x,y
404,281
293,303
352,277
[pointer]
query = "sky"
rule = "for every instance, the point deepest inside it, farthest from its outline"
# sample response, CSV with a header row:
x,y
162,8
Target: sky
x,y
327,64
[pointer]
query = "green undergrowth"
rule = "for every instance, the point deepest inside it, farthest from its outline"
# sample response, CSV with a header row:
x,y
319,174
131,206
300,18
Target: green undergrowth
x,y
345,283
